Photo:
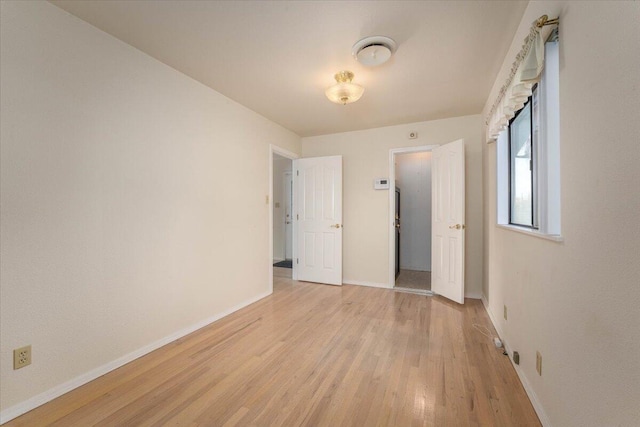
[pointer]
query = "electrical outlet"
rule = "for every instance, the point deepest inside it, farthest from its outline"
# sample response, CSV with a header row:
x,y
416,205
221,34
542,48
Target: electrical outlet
x,y
539,363
505,312
21,357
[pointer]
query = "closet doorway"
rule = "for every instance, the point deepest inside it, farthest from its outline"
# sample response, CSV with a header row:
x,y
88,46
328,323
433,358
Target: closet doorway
x,y
411,169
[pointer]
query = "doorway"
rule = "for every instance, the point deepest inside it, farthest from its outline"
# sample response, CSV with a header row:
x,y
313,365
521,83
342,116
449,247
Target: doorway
x,y
281,198
282,221
410,265
413,222
447,213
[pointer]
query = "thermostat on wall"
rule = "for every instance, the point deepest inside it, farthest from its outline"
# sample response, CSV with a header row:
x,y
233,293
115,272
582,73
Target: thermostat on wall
x,y
381,184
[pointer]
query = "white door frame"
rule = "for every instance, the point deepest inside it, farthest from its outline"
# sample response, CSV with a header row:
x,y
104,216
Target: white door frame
x,y
392,205
274,149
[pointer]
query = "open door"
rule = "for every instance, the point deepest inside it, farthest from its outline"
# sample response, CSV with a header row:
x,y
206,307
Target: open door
x,y
447,250
397,226
318,187
288,215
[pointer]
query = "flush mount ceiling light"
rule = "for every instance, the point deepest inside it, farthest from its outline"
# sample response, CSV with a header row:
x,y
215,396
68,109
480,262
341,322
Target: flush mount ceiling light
x,y
344,92
374,50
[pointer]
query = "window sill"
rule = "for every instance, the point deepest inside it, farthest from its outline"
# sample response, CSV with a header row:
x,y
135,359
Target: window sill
x,y
530,232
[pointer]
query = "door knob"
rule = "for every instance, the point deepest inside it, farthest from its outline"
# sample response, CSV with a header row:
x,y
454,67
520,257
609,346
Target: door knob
x,y
336,225
457,227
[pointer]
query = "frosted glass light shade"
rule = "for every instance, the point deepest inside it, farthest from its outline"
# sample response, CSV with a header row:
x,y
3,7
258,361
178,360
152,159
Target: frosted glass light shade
x,y
344,92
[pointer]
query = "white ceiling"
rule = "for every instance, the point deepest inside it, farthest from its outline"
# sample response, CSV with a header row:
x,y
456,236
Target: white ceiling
x,y
277,58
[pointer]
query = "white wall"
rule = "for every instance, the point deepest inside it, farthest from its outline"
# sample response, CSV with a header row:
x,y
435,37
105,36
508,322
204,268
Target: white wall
x,y
366,211
280,166
578,302
413,174
120,225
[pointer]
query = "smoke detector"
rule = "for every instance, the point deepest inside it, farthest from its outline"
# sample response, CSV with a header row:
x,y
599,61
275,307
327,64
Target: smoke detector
x,y
374,50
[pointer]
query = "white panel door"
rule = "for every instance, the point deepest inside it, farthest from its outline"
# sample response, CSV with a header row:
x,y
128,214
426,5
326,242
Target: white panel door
x,y
447,221
318,189
288,215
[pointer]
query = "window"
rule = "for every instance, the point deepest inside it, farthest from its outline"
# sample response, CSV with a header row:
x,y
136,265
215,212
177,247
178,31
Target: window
x,y
523,130
528,159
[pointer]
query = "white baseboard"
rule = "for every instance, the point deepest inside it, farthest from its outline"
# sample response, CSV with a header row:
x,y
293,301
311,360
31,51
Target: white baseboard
x,y
42,398
473,295
537,406
369,284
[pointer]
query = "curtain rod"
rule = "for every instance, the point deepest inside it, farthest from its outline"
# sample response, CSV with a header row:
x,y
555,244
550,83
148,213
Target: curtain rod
x,y
544,20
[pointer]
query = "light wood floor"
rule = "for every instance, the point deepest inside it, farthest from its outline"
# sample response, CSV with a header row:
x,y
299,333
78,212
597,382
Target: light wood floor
x,y
282,272
414,280
313,355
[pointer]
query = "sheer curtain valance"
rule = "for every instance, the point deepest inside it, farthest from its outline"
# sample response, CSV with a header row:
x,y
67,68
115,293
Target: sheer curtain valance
x,y
525,73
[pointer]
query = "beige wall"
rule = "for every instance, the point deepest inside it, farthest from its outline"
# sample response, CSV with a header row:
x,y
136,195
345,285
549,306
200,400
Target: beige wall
x,y
366,211
120,223
578,302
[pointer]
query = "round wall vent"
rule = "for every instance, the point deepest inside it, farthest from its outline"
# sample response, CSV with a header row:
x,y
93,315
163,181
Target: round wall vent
x,y
374,50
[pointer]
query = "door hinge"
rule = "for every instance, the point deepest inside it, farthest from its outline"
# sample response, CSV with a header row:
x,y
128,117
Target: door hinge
x,y
297,216
297,173
531,164
297,261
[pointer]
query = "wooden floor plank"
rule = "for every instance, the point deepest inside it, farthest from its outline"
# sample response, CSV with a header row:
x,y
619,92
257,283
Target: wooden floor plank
x,y
313,355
